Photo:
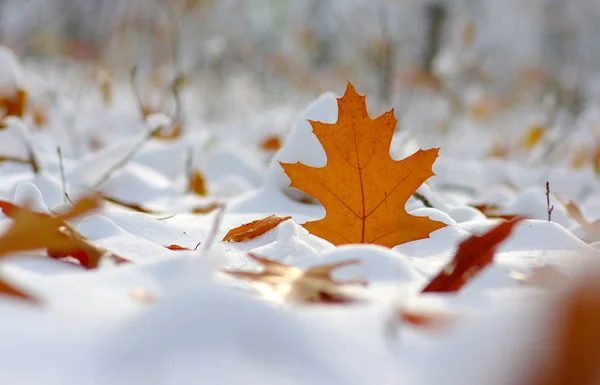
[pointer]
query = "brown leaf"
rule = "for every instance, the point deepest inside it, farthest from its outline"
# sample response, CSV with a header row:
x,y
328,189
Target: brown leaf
x,y
492,212
169,133
132,206
313,285
575,342
8,289
16,105
206,209
364,190
31,230
254,229
271,143
590,230
197,184
175,247
472,256
547,277
427,319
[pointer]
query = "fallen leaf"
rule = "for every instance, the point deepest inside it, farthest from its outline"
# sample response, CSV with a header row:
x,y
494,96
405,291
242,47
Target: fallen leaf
x,y
253,229
429,320
181,248
271,143
547,277
362,188
313,285
472,256
590,231
9,290
15,105
39,115
169,133
206,209
132,206
31,230
533,136
492,212
574,351
197,184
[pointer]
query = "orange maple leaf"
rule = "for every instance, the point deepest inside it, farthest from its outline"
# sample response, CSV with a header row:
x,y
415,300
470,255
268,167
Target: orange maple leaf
x,y
362,188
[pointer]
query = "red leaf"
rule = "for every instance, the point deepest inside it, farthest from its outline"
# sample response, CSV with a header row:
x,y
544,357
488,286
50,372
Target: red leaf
x,y
473,254
8,208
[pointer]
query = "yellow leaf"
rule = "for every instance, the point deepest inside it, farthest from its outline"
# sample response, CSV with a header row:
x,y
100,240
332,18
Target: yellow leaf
x,y
533,136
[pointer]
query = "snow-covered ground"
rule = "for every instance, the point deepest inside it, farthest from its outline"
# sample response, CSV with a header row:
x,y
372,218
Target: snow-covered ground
x,y
172,317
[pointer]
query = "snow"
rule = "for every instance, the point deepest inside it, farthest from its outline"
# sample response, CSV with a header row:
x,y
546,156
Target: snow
x,y
172,317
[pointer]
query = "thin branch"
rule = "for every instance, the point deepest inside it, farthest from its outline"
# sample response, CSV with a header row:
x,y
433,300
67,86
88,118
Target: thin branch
x,y
136,92
214,229
120,164
550,208
63,180
189,168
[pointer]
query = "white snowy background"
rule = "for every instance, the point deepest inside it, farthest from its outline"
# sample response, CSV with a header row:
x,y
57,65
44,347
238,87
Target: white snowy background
x,y
253,70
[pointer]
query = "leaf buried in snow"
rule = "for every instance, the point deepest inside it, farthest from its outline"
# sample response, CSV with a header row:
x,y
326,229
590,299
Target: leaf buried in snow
x,y
313,285
546,277
428,320
254,229
271,143
472,256
197,184
362,188
175,247
589,231
31,230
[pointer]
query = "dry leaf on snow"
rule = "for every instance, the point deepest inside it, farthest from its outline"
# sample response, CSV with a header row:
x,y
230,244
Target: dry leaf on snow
x,y
575,340
362,188
547,277
31,230
472,256
197,184
430,320
271,143
590,231
313,285
253,229
175,247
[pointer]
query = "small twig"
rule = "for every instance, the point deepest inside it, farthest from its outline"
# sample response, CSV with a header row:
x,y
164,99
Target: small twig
x,y
120,164
132,206
167,217
550,208
136,92
214,229
63,180
189,168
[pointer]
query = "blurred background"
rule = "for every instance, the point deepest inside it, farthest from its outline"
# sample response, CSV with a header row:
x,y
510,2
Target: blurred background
x,y
313,45
440,61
